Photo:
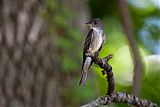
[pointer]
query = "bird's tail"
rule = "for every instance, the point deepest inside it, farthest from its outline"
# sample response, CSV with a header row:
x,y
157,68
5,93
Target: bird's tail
x,y
83,78
86,65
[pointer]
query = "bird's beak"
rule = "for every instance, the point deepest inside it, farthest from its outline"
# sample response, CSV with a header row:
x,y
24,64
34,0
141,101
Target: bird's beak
x,y
89,24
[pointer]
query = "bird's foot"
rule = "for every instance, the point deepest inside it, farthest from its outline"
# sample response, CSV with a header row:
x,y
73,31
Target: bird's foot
x,y
96,54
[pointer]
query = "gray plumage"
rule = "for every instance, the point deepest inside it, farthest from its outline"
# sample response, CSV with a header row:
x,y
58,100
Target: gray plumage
x,y
93,43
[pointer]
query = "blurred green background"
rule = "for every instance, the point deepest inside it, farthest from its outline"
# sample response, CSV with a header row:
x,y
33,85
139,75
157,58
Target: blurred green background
x,y
41,47
67,18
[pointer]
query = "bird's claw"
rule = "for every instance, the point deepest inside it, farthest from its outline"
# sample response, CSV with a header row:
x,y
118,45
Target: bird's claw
x,y
96,54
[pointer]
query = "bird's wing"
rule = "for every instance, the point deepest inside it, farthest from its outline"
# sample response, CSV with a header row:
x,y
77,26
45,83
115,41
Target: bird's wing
x,y
88,41
87,45
87,61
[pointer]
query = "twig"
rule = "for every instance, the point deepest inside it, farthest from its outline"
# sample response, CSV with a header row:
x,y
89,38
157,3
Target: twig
x,y
112,95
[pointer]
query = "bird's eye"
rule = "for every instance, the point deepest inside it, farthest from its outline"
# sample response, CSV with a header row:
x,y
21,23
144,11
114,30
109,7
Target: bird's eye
x,y
95,23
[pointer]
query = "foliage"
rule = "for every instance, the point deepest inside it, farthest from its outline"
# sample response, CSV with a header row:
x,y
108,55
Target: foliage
x,y
68,41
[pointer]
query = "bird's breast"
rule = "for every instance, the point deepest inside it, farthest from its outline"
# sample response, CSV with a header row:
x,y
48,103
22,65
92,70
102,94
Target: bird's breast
x,y
96,41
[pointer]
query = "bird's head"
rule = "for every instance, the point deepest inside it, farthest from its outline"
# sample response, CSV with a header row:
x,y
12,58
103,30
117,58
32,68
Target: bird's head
x,y
95,23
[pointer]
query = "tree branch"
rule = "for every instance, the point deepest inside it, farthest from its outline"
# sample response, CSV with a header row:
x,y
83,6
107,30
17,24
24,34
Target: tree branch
x,y
112,95
127,25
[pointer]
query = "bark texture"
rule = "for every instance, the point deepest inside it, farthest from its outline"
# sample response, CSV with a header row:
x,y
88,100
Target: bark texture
x,y
27,74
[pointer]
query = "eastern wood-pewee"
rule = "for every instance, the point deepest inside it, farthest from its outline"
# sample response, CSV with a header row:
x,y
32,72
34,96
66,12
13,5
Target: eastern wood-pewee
x,y
93,43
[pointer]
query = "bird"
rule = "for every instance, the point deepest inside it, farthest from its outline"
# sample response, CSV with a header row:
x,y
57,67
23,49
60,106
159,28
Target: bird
x,y
94,42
